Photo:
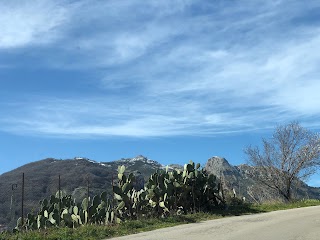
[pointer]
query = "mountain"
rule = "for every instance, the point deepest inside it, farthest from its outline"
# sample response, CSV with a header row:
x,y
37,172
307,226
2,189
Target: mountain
x,y
42,180
239,180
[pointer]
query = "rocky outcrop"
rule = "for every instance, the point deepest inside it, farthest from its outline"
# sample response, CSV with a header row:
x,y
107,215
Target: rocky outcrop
x,y
242,181
220,166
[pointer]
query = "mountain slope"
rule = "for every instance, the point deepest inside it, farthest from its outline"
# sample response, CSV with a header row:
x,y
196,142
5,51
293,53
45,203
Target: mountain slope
x,y
239,180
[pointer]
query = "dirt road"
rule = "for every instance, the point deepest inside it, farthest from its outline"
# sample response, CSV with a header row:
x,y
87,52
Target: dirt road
x,y
294,224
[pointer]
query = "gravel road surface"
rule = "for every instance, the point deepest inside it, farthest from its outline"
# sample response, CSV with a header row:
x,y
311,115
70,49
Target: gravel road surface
x,y
293,224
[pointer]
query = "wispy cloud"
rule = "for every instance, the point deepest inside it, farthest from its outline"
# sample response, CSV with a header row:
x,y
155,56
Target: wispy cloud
x,y
24,23
174,67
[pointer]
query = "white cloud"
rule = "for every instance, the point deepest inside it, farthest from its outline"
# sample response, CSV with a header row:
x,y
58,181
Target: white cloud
x,y
24,22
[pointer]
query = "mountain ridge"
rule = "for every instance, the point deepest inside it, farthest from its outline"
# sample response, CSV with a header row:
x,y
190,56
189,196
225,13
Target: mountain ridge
x,y
41,180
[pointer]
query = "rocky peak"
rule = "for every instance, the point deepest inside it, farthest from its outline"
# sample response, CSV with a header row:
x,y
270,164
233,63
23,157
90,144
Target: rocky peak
x,y
139,158
216,165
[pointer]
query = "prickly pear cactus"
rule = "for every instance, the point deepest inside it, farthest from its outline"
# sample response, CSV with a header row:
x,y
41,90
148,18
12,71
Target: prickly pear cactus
x,y
166,192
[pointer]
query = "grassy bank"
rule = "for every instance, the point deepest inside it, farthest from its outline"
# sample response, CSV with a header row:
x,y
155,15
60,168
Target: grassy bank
x,y
92,232
283,206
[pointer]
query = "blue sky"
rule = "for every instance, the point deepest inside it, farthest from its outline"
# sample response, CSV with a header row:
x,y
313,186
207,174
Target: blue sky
x,y
173,80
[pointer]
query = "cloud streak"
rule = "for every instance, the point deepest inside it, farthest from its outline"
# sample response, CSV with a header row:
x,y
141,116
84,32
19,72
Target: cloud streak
x,y
168,69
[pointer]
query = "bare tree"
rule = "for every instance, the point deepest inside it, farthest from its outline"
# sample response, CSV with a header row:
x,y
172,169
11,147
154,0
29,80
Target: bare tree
x,y
292,154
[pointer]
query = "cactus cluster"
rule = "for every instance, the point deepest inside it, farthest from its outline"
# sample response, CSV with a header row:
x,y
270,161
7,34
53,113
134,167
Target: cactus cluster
x,y
166,192
63,210
131,201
